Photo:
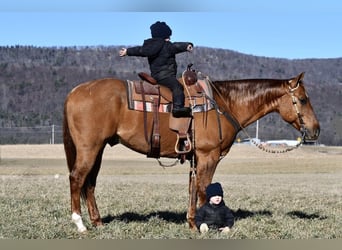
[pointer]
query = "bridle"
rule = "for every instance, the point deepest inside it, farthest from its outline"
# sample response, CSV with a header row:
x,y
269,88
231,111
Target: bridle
x,y
299,115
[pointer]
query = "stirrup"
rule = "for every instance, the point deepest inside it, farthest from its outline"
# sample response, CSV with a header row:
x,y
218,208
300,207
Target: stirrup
x,y
187,145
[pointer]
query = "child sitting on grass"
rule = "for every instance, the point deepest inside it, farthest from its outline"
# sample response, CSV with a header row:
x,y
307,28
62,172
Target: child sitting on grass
x,y
214,214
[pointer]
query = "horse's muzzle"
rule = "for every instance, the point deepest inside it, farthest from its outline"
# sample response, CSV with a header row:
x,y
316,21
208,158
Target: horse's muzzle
x,y
311,135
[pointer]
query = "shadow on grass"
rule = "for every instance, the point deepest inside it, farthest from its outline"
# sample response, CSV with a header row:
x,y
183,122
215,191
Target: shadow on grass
x,y
243,214
176,217
302,215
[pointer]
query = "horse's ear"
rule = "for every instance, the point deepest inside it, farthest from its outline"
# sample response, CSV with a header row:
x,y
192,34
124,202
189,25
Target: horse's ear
x,y
301,76
294,81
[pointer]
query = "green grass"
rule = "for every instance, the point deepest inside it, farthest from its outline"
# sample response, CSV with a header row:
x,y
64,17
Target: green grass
x,y
140,200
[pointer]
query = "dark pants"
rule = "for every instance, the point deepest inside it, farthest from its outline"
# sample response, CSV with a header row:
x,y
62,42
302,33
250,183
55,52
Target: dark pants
x,y
177,90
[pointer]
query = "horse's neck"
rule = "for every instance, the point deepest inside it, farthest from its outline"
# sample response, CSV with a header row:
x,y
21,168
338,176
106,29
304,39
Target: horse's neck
x,y
249,102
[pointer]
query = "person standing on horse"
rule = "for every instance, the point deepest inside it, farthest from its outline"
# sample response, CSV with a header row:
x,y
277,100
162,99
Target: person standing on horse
x,y
214,214
161,54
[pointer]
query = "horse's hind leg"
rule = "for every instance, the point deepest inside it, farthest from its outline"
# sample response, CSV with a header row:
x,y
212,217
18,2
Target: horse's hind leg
x,y
82,181
89,191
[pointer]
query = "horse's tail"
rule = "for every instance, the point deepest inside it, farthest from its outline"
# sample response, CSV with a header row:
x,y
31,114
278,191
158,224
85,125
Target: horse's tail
x,y
69,146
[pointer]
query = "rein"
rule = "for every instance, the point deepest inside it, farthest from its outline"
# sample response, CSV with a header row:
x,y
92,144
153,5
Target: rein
x,y
237,126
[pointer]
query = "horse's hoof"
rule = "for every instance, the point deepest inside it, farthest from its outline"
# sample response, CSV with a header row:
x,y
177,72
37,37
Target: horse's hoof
x,y
82,230
97,223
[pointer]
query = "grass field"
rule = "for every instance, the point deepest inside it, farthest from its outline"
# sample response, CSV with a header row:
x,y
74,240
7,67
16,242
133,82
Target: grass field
x,y
296,195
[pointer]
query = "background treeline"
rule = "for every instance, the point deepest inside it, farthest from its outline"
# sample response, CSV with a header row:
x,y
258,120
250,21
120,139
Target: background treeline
x,y
34,82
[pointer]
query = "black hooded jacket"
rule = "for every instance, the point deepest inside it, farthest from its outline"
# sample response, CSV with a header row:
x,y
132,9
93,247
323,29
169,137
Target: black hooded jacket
x,y
161,56
215,216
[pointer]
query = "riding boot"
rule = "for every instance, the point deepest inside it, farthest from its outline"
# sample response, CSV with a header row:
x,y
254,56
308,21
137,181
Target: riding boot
x,y
179,110
177,97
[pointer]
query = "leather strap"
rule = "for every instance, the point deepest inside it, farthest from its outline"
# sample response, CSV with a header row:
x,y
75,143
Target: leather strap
x,y
155,140
144,111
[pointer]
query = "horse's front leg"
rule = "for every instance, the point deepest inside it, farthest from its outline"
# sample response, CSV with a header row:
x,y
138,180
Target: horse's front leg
x,y
201,175
192,198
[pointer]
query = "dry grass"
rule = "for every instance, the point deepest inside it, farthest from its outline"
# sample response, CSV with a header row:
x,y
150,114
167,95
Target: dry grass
x,y
296,195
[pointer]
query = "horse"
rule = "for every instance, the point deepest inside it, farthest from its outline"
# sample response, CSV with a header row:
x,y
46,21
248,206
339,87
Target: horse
x,y
96,113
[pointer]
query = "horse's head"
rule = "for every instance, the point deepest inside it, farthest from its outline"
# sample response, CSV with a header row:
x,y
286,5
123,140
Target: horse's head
x,y
296,109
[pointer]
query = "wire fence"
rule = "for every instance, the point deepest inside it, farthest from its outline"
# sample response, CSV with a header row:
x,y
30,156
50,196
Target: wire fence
x,y
31,135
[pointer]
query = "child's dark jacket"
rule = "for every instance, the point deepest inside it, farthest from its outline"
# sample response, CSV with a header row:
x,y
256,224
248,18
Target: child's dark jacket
x,y
215,216
161,56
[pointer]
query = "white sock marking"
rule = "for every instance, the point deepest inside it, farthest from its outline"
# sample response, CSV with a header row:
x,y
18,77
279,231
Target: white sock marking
x,y
76,218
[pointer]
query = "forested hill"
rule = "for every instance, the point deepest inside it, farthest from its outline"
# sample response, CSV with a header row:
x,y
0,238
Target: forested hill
x,y
34,82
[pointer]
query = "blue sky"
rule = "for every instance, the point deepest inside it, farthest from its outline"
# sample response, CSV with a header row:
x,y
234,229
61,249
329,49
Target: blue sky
x,y
284,29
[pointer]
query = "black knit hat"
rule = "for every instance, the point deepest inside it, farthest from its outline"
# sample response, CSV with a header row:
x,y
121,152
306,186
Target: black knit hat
x,y
160,30
214,189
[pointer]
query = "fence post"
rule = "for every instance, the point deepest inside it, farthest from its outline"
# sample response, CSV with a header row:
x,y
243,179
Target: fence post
x,y
53,134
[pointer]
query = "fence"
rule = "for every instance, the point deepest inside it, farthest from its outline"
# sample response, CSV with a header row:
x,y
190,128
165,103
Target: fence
x,y
31,135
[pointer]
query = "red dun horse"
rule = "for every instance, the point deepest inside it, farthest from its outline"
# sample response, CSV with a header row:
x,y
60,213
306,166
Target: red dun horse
x,y
96,113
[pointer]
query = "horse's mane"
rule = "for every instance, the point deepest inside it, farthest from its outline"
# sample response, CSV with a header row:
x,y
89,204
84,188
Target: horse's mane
x,y
247,90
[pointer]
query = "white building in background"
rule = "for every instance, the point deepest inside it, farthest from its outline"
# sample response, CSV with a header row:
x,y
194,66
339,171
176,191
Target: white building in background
x,y
290,143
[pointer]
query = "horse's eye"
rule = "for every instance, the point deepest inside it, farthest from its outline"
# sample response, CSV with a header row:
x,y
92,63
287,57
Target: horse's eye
x,y
303,100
